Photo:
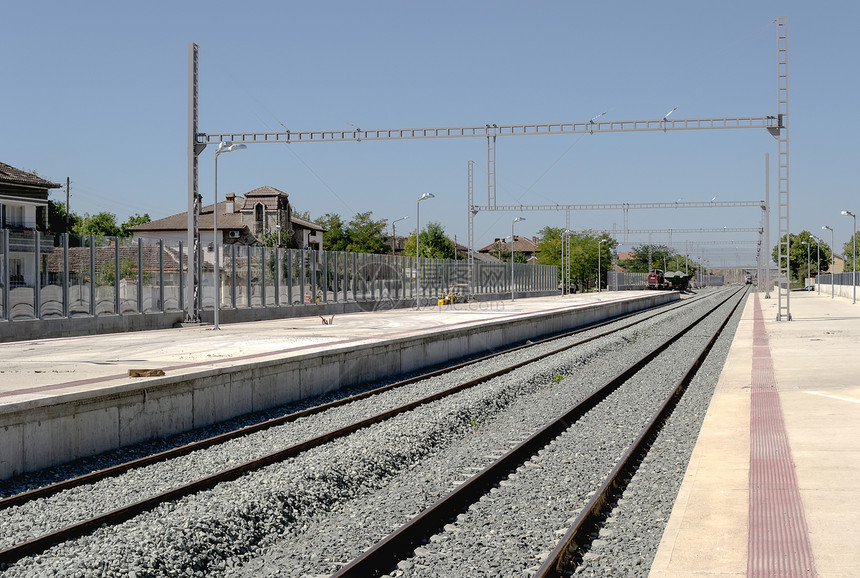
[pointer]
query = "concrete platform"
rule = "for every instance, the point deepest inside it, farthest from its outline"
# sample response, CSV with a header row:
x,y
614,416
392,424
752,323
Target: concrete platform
x,y
70,397
816,376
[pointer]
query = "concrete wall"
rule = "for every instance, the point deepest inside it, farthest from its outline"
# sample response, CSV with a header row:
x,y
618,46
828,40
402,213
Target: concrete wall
x,y
845,291
43,432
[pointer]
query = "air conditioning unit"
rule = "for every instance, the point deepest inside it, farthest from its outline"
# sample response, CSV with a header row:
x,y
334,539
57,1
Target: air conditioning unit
x,y
234,234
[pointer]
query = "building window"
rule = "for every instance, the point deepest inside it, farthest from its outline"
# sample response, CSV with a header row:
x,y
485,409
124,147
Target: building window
x,y
258,212
15,215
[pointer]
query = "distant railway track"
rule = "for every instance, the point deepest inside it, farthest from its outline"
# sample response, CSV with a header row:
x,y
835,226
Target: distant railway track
x,y
40,543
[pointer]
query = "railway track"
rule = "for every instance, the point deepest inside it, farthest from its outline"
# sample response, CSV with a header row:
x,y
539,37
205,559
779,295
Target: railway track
x,y
401,544
552,347
44,491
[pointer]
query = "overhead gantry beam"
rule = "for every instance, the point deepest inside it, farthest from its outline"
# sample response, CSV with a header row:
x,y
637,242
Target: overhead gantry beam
x,y
622,206
771,123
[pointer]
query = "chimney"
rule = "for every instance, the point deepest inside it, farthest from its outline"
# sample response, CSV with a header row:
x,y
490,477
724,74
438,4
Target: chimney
x,y
231,200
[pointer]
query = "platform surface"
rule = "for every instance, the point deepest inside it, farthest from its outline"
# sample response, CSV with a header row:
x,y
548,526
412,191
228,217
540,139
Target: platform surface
x,y
39,369
816,370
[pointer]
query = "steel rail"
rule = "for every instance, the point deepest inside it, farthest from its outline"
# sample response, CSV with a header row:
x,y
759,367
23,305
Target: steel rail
x,y
380,558
587,524
119,515
119,469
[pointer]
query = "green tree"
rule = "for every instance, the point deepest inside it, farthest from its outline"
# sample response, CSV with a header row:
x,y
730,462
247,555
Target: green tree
x,y
797,255
335,236
550,247
100,224
367,235
848,251
434,243
647,257
583,247
133,220
57,218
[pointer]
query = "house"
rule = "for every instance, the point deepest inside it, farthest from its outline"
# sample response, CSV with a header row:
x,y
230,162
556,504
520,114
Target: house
x,y
463,253
263,215
619,266
23,210
524,245
838,265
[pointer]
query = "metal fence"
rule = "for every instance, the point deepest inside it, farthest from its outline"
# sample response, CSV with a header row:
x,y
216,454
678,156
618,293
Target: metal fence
x,y
621,281
849,278
44,276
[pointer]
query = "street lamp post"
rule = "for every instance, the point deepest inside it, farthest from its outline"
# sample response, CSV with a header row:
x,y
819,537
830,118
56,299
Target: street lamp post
x,y
602,241
423,197
223,147
818,263
832,284
394,233
853,257
517,220
808,272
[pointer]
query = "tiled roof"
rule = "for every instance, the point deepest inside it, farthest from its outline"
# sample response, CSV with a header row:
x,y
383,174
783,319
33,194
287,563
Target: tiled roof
x,y
179,222
265,191
18,177
521,245
226,221
270,197
306,224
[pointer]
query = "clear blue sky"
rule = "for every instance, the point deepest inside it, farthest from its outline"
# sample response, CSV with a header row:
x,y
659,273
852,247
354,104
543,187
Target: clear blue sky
x,y
97,91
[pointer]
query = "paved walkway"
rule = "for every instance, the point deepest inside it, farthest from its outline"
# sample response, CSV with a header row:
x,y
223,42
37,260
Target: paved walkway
x,y
719,526
43,368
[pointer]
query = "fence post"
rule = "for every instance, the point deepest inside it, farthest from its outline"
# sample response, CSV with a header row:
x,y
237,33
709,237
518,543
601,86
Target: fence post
x,y
161,275
65,238
6,277
324,275
233,276
37,285
314,262
181,279
290,276
116,297
336,280
139,275
263,277
92,241
250,256
276,282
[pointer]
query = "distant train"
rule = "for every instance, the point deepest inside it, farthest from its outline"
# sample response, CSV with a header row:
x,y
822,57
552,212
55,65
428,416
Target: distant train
x,y
657,279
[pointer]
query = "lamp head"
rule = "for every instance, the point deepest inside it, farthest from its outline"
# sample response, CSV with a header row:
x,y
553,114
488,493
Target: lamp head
x,y
426,196
848,213
228,147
